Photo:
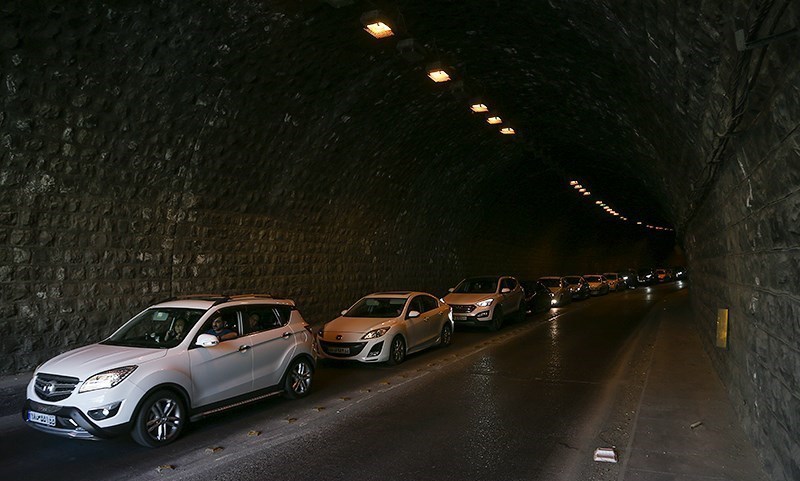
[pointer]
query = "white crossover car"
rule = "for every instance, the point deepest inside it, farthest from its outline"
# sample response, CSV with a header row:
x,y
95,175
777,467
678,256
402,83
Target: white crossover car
x,y
386,326
174,362
485,301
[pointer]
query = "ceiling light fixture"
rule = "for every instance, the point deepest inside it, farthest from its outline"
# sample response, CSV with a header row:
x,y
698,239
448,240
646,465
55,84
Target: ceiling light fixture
x,y
507,131
376,24
582,190
577,186
573,182
438,72
494,120
479,107
587,193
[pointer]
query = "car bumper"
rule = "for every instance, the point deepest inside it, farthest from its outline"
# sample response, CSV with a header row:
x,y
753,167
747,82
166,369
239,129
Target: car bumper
x,y
70,422
373,350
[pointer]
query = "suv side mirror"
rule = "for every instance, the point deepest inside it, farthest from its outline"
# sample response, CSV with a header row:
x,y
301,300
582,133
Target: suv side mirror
x,y
207,340
344,312
413,314
505,290
451,289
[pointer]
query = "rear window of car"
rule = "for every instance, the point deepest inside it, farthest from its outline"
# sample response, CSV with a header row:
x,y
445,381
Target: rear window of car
x,y
551,282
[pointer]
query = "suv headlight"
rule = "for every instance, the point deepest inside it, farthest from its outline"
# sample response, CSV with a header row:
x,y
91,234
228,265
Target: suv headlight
x,y
107,379
484,303
375,333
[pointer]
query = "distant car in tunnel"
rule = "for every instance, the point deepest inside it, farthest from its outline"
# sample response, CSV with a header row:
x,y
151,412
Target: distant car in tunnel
x,y
559,288
598,285
387,326
615,281
538,297
175,361
578,286
485,301
663,275
629,277
646,276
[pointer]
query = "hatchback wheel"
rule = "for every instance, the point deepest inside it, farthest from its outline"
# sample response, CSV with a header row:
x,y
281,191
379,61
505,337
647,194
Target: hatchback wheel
x,y
446,336
297,382
160,419
397,353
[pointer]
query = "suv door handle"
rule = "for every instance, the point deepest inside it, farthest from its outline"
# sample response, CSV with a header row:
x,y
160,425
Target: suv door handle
x,y
287,334
243,347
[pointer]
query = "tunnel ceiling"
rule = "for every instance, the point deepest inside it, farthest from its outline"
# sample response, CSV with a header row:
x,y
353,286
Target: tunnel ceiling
x,y
609,93
621,96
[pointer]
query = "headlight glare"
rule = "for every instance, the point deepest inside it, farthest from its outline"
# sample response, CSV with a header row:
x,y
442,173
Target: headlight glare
x,y
375,333
107,379
484,303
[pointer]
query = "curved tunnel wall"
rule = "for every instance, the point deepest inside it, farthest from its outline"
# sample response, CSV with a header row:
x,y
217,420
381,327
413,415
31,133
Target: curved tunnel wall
x,y
158,150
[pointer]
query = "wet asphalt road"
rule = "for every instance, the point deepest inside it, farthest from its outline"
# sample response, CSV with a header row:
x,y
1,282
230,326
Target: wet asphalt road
x,y
530,402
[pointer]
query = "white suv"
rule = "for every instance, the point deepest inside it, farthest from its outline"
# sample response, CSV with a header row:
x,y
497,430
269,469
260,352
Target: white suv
x,y
168,365
485,301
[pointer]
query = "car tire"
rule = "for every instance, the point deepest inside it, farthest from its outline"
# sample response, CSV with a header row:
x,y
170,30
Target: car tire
x,y
160,419
497,320
446,336
297,381
397,351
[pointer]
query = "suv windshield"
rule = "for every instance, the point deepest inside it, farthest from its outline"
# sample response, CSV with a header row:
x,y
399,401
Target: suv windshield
x,y
573,280
592,278
480,285
387,307
158,328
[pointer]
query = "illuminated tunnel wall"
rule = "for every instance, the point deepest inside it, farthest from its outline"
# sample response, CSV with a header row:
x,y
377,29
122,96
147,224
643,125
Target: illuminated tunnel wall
x,y
167,148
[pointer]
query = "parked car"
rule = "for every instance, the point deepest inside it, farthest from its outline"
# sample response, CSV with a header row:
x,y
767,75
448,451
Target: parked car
x,y
615,281
485,301
598,285
578,286
663,275
630,278
538,297
152,376
387,326
646,276
679,272
559,288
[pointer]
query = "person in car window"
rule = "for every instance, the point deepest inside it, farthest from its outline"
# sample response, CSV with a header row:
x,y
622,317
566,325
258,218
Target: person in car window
x,y
178,329
218,329
253,323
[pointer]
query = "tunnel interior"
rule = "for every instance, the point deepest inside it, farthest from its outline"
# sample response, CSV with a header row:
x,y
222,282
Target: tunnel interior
x,y
156,149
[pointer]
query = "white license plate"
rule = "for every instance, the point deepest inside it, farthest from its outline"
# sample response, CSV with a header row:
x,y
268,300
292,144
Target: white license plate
x,y
339,350
460,318
46,419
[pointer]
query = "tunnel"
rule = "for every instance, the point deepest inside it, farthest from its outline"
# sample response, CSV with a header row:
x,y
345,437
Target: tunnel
x,y
157,149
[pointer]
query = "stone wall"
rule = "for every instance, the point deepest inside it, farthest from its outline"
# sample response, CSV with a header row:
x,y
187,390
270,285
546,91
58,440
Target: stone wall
x,y
743,242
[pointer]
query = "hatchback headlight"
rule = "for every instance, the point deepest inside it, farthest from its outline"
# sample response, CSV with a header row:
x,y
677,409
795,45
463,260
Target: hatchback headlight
x,y
484,303
375,333
107,379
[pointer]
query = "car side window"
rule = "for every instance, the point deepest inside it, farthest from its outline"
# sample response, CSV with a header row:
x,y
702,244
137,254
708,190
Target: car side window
x,y
263,317
416,305
428,303
230,322
512,284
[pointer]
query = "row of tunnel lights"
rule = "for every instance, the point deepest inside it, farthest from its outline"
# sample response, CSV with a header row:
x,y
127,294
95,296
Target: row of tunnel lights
x,y
609,210
375,23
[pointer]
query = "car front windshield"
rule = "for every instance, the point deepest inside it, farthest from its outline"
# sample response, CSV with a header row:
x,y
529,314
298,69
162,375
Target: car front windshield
x,y
387,307
551,281
592,278
477,285
158,328
573,280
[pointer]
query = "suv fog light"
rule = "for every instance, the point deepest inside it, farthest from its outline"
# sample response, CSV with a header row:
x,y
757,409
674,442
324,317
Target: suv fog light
x,y
376,349
104,412
482,314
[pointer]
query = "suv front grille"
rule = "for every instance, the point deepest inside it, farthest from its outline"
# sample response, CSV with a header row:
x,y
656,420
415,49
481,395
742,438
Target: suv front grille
x,y
462,308
51,387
